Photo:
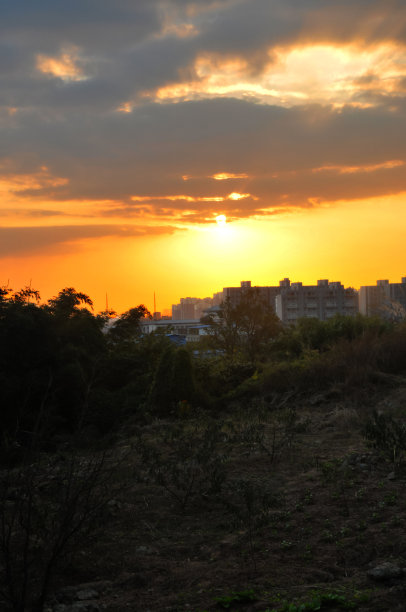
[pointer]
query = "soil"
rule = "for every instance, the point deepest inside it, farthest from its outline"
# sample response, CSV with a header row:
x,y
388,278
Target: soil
x,y
308,523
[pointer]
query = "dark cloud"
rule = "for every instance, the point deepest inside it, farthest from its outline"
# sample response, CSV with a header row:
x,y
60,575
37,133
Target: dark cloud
x,y
21,241
29,213
147,152
97,25
124,48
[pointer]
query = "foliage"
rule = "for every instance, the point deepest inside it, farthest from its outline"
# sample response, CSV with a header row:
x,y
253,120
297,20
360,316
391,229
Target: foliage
x,y
67,302
47,509
249,504
173,381
244,328
272,433
55,371
238,597
127,326
187,463
387,435
63,372
323,600
221,379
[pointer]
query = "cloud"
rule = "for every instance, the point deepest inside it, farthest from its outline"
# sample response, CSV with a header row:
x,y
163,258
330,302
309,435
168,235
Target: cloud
x,y
146,153
126,48
292,102
65,66
30,213
21,241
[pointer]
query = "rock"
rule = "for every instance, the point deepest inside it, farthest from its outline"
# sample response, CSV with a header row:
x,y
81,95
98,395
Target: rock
x,y
144,550
385,571
80,598
85,606
391,476
114,507
87,594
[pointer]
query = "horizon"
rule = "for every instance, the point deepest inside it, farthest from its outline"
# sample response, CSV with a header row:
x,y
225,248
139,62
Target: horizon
x,y
167,311
178,147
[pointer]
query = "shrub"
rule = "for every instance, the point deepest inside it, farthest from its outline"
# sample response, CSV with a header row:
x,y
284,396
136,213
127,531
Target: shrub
x,y
187,462
47,509
387,435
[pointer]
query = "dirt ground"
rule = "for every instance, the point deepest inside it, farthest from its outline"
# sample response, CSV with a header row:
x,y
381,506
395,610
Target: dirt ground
x,y
283,506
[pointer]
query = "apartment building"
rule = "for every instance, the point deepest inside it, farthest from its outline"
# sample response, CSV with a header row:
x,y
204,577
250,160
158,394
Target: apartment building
x,y
191,308
375,299
268,294
321,301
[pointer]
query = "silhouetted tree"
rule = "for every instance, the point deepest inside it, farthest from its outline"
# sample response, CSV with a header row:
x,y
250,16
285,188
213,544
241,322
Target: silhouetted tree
x,y
25,295
244,328
67,302
127,326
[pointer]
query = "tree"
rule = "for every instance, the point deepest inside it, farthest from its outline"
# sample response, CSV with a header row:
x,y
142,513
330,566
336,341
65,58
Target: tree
x,y
244,328
127,326
222,329
67,302
24,295
173,381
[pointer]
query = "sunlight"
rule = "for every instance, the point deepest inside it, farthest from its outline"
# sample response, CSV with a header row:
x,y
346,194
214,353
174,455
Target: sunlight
x,y
64,66
225,176
221,220
295,75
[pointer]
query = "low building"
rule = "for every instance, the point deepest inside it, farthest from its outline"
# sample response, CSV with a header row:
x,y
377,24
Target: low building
x,y
190,330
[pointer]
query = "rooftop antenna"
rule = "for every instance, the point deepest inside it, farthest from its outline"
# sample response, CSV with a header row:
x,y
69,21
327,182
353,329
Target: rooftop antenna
x,y
154,303
107,303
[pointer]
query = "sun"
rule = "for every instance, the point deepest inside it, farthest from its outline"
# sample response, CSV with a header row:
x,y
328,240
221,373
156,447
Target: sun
x,y
221,220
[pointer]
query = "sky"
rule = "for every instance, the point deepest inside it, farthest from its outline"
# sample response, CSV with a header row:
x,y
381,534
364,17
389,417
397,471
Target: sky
x,y
180,146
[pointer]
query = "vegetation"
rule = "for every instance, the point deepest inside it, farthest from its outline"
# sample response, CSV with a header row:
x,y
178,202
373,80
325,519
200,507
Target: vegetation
x,y
258,450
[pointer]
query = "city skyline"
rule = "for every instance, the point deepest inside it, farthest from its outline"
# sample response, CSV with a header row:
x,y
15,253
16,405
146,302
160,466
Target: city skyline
x,y
178,146
381,291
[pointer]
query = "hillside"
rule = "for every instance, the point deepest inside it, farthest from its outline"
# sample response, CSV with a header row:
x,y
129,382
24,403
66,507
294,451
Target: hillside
x,y
255,510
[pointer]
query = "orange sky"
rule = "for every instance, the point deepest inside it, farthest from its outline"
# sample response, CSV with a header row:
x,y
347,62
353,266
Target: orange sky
x,y
124,137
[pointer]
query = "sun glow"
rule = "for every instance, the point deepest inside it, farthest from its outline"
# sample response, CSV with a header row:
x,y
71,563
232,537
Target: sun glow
x,y
221,220
225,176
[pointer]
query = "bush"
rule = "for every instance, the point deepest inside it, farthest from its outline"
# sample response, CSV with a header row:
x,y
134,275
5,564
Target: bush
x,y
47,509
387,435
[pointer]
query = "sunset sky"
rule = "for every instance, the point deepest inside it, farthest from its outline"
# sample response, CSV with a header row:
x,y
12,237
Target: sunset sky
x,y
128,126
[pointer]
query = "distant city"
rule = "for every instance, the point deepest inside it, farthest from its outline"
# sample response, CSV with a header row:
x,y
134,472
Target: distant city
x,y
291,301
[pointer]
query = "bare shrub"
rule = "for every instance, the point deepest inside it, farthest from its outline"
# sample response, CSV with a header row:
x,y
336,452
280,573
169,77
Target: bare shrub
x,y
273,433
46,509
187,462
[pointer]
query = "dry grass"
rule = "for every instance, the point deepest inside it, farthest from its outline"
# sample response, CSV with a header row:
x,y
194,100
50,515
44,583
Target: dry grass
x,y
317,517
